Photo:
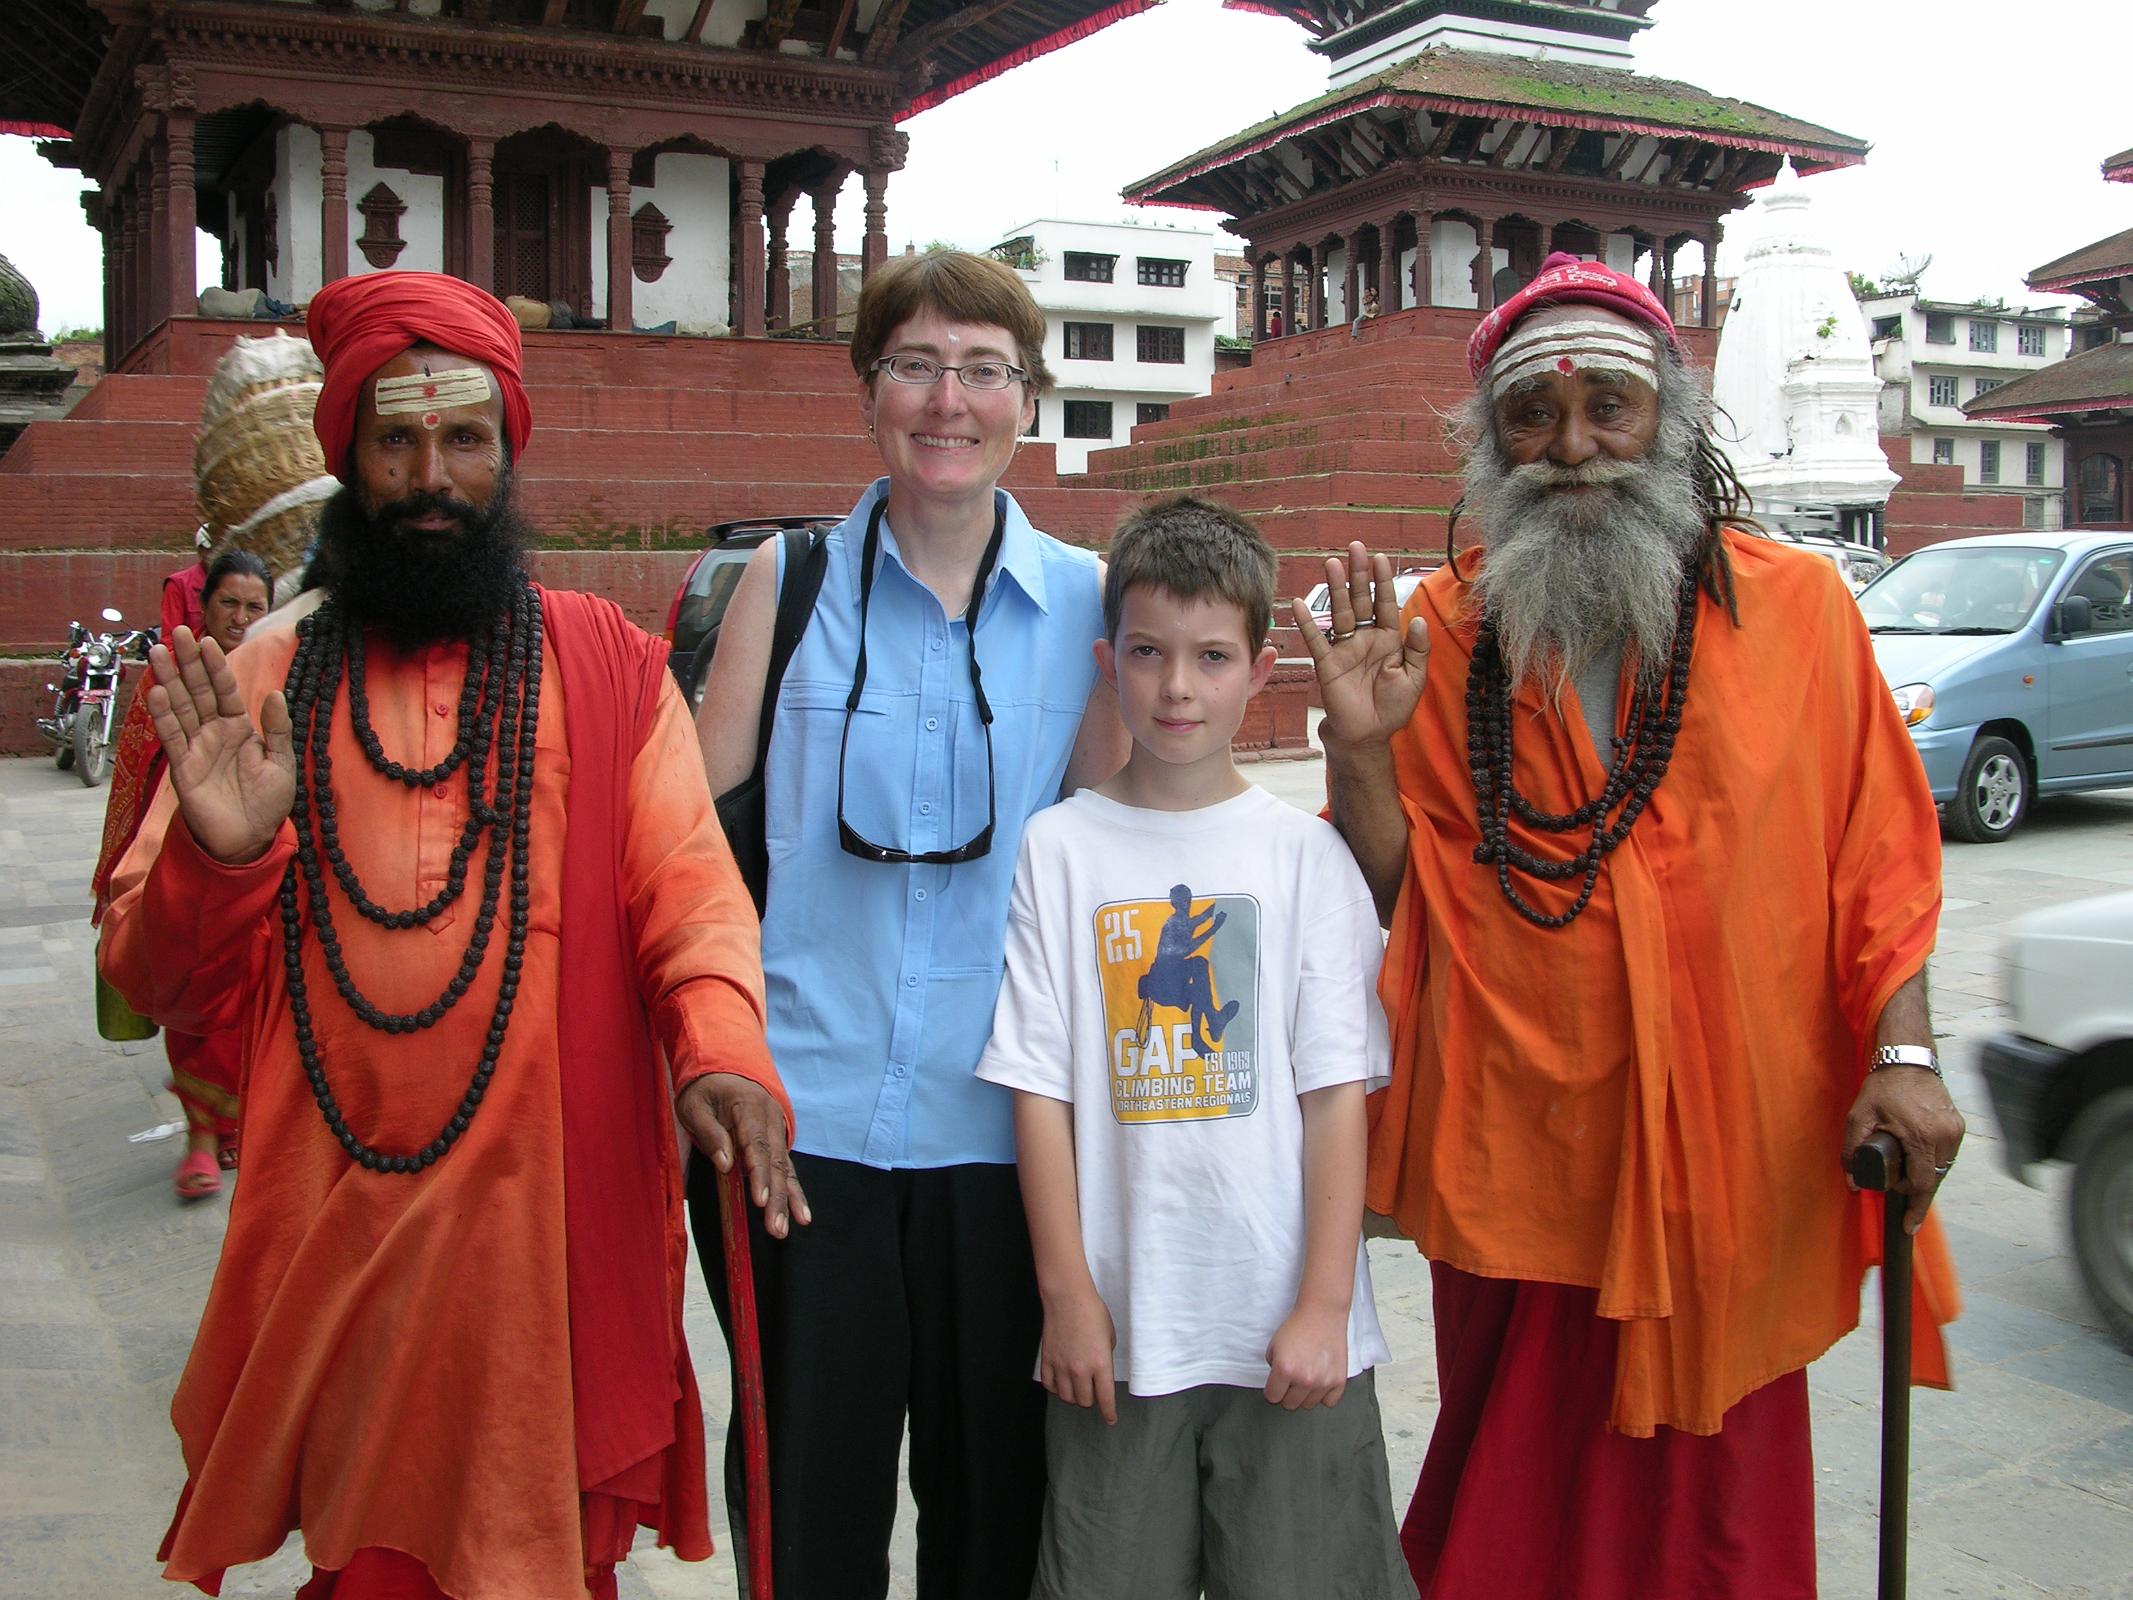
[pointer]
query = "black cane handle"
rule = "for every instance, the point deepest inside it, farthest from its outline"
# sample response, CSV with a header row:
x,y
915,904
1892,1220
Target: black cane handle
x,y
1878,1163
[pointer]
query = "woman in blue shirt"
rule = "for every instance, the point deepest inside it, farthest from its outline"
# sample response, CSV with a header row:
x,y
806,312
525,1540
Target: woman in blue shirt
x,y
944,690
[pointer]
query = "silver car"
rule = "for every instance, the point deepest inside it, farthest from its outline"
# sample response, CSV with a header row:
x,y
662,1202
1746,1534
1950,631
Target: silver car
x,y
2011,659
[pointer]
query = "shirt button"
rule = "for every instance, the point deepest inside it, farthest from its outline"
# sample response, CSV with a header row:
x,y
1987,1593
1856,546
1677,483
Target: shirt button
x,y
901,1072
443,710
911,981
920,895
932,723
936,641
438,791
925,808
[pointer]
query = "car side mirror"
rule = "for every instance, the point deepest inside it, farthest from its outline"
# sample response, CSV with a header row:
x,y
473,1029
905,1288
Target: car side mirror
x,y
2075,614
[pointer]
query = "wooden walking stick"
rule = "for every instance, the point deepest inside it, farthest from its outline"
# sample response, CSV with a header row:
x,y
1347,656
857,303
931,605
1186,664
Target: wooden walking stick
x,y
747,1374
1878,1164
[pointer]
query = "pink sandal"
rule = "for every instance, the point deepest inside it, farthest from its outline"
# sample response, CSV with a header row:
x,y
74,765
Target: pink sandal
x,y
197,1177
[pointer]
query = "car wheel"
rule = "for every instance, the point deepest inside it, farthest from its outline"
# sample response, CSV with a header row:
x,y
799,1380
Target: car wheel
x,y
2100,1205
1992,796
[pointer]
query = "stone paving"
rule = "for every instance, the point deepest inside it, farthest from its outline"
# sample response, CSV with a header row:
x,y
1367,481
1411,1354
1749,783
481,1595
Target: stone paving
x,y
2022,1482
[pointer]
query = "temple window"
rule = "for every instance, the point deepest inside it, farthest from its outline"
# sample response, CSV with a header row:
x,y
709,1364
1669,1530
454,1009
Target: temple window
x,y
2097,488
1161,274
648,242
1151,411
1088,419
2033,465
1166,345
2029,340
1940,328
382,210
1083,267
1940,391
1988,461
1088,341
1984,336
1944,452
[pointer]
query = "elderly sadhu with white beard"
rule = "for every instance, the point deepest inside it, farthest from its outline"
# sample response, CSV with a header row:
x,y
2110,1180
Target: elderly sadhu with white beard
x,y
1661,873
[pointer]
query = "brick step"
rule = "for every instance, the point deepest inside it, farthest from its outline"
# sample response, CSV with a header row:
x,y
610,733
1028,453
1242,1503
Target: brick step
x,y
142,397
1299,489
1246,466
1382,364
1330,528
1980,513
1332,402
1270,425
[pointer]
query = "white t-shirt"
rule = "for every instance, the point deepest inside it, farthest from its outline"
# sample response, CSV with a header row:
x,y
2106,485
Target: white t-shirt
x,y
1181,977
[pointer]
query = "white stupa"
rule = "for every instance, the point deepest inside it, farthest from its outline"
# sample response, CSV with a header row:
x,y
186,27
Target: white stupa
x,y
1795,378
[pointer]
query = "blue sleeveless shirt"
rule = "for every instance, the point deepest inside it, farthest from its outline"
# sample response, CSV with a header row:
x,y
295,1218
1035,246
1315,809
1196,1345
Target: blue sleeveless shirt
x,y
881,978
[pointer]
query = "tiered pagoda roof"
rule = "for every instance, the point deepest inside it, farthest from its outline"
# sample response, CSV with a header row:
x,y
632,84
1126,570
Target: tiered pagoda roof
x,y
936,48
1558,118
2119,168
1332,19
2096,380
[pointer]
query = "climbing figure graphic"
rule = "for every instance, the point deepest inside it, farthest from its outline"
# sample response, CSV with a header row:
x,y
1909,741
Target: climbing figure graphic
x,y
1179,975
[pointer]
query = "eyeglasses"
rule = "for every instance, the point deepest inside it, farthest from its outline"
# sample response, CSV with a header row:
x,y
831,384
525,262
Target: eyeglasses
x,y
974,374
850,838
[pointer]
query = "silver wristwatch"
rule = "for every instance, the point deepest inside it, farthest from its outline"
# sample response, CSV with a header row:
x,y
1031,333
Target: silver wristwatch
x,y
1906,1055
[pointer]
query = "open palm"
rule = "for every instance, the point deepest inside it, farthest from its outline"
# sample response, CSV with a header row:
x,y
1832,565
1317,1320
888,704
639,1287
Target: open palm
x,y
1370,672
234,782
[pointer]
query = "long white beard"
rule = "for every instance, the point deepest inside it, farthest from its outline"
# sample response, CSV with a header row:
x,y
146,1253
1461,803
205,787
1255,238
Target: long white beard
x,y
1577,575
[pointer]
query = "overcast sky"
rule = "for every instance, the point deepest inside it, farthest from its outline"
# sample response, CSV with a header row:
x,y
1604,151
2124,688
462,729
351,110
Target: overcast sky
x,y
1987,125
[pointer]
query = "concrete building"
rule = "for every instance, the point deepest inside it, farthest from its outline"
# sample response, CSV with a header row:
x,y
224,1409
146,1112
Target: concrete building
x,y
1131,311
1934,357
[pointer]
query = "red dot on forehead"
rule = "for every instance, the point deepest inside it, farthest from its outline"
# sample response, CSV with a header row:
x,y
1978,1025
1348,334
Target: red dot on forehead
x,y
430,419
429,391
1565,365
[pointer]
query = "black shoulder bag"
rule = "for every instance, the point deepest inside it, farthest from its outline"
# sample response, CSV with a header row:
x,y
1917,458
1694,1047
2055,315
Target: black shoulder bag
x,y
740,808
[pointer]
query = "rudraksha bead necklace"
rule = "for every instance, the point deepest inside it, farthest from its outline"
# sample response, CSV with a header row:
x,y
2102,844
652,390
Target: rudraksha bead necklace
x,y
1638,762
499,713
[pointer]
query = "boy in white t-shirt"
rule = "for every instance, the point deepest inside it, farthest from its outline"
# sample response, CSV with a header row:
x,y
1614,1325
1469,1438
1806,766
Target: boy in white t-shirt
x,y
1190,1022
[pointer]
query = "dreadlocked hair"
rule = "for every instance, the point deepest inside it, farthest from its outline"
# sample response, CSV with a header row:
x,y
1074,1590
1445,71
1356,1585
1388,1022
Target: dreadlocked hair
x,y
1685,414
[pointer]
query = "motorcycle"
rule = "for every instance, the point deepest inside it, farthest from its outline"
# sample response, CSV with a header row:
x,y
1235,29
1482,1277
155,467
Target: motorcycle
x,y
84,716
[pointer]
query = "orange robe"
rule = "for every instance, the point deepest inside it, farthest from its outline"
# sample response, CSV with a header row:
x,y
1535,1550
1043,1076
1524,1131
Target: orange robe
x,y
1650,1102
385,1361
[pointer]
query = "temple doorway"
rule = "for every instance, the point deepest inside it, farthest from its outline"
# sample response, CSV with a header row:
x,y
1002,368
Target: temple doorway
x,y
543,218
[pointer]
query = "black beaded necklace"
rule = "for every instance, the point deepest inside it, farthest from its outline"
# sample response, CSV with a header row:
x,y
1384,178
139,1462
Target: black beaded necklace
x,y
499,713
1639,760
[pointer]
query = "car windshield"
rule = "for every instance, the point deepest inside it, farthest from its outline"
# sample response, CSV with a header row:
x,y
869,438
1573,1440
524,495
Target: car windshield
x,y
1954,590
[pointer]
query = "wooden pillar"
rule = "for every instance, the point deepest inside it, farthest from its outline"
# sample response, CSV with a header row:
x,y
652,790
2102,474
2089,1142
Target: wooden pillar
x,y
119,272
1666,282
155,236
137,213
1389,263
1351,276
1423,222
481,213
621,269
1318,284
779,296
874,250
1288,290
1710,277
822,277
181,290
332,208
1258,329
1485,263
750,288
1658,277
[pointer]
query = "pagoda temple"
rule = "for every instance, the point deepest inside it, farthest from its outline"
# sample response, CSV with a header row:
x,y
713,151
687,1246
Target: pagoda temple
x,y
2087,398
1459,142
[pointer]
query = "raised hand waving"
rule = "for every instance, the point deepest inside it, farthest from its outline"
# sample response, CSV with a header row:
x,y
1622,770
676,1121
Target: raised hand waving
x,y
1370,672
234,782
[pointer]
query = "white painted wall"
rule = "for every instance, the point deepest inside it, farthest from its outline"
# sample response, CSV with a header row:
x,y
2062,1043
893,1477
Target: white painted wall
x,y
1451,258
297,161
691,190
421,225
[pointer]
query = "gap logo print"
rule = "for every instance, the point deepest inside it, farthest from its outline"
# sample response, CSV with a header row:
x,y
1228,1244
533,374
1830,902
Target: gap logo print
x,y
1180,984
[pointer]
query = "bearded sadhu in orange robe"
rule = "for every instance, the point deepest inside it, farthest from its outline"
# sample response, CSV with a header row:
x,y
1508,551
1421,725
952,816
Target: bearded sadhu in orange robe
x,y
1661,873
444,1338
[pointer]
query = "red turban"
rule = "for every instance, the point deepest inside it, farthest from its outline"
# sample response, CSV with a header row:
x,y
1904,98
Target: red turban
x,y
1565,280
358,324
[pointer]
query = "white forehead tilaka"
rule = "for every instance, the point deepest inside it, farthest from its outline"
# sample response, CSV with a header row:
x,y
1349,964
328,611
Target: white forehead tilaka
x,y
1585,345
425,391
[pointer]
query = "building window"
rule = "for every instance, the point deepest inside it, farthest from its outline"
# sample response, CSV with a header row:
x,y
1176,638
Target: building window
x,y
1036,420
1940,328
1988,461
1082,267
1944,452
2029,340
1161,344
2097,488
1088,419
2033,464
1984,336
1151,411
1939,391
1987,385
1161,273
1888,327
1088,341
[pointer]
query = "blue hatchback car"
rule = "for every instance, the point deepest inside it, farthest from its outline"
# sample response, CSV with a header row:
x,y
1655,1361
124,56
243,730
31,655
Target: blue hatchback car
x,y
2011,658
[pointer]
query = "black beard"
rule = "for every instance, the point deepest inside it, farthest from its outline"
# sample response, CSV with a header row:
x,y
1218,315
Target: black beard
x,y
421,588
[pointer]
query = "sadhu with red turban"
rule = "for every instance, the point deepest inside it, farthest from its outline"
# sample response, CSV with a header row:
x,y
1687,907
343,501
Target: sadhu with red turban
x,y
445,1338
1661,873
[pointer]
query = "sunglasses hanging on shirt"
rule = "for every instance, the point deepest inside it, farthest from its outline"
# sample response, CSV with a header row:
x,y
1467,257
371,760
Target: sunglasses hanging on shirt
x,y
848,837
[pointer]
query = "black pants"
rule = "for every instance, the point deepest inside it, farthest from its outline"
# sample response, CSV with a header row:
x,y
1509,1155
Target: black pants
x,y
912,1292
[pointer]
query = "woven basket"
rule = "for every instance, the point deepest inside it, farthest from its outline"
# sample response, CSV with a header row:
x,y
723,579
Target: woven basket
x,y
261,451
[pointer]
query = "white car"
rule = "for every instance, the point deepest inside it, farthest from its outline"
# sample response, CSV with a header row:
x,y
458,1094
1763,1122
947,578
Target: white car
x,y
1857,564
2062,1079
1319,602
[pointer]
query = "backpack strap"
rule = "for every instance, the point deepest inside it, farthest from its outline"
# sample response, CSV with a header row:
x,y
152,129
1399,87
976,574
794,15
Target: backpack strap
x,y
806,558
